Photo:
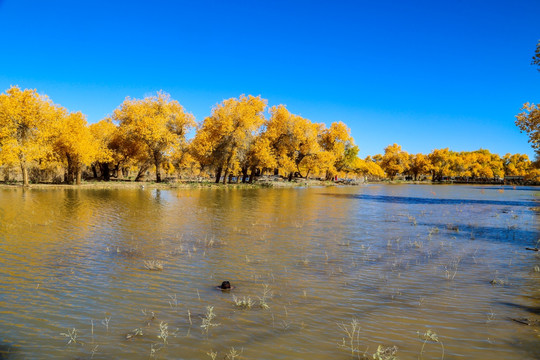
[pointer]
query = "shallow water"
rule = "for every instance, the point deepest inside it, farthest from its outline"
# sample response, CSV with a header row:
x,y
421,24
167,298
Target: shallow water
x,y
401,259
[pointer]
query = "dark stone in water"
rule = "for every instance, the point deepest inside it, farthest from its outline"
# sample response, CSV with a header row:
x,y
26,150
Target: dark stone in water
x,y
225,286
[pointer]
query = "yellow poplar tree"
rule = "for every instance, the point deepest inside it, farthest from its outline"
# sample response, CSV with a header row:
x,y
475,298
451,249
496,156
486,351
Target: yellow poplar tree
x,y
419,165
293,139
516,164
394,161
337,140
156,123
529,121
440,160
103,132
24,115
224,139
73,144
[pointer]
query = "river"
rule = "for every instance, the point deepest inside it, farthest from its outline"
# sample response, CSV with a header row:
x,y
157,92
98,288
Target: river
x,y
431,271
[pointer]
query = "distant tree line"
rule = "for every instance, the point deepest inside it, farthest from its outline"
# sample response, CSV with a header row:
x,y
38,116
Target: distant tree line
x,y
444,164
241,140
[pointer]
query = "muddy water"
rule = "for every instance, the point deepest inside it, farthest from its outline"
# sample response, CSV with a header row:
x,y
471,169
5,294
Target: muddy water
x,y
399,260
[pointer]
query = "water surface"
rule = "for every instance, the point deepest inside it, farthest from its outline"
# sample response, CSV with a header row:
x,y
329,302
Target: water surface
x,y
401,259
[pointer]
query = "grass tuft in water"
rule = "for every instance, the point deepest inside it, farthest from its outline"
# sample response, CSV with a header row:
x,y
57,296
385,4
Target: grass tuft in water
x,y
243,303
163,332
153,265
71,335
233,354
352,341
385,353
430,336
207,320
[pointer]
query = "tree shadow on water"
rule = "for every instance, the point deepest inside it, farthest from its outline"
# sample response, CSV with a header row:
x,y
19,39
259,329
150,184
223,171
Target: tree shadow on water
x,y
531,309
408,200
6,351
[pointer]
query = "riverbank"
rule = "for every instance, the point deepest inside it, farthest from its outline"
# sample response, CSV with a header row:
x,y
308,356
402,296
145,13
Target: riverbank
x,y
180,184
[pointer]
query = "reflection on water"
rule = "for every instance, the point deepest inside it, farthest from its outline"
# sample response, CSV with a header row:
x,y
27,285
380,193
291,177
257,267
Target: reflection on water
x,y
401,259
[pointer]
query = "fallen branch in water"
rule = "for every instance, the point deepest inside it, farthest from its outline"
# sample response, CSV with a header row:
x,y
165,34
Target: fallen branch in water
x,y
532,249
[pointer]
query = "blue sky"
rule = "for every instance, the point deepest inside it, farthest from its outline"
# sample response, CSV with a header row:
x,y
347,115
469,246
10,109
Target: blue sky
x,y
423,74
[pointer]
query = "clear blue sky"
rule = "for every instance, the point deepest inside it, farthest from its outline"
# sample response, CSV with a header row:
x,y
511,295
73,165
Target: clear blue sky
x,y
423,74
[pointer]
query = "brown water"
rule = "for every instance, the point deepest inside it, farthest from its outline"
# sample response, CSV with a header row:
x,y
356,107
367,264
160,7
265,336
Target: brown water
x,y
400,259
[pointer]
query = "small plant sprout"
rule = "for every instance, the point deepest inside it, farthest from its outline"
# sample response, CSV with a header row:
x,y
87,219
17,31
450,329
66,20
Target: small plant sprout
x,y
243,303
491,316
233,354
163,332
154,348
431,336
267,294
153,265
352,341
497,281
105,322
94,350
71,335
173,303
133,333
207,320
385,353
213,355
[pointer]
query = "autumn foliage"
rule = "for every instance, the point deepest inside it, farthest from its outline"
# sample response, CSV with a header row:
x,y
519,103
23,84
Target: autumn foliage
x,y
241,140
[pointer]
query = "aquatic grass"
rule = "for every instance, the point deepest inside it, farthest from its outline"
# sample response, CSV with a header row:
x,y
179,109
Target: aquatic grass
x,y
233,353
431,336
135,332
164,332
93,351
71,335
207,320
173,301
105,322
154,348
497,281
153,265
352,340
491,316
385,353
213,355
267,294
452,266
243,303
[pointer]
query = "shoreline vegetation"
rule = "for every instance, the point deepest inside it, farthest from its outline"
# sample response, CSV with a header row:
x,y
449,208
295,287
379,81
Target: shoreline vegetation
x,y
265,182
242,141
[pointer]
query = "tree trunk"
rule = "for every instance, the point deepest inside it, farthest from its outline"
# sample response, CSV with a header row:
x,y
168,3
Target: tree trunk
x,y
141,172
94,171
69,177
78,176
157,163
252,174
290,176
24,170
105,172
225,176
244,174
218,174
